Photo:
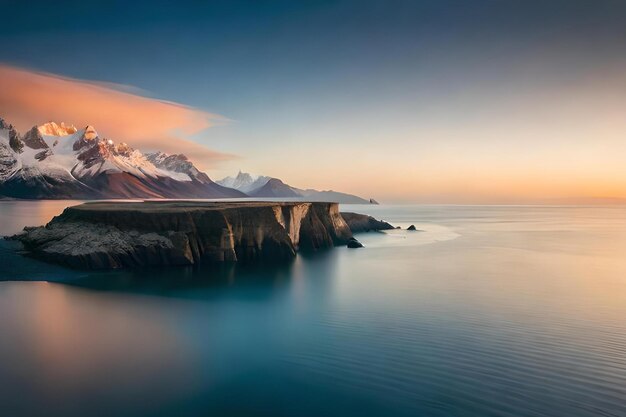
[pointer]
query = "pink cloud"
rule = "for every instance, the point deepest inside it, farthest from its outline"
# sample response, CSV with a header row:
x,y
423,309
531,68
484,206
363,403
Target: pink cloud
x,y
28,98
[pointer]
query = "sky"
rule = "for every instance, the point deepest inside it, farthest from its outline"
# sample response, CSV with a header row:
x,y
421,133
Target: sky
x,y
442,101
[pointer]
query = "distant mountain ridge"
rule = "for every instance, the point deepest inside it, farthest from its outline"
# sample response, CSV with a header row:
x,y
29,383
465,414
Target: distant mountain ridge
x,y
268,187
275,188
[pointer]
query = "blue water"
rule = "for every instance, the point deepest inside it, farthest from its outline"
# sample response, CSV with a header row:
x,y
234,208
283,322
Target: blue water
x,y
488,311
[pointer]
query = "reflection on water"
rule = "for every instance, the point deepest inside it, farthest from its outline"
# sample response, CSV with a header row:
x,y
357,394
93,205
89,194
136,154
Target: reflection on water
x,y
18,214
491,311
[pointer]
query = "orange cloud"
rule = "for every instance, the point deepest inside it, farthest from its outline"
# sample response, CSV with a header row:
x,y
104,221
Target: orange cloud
x,y
28,98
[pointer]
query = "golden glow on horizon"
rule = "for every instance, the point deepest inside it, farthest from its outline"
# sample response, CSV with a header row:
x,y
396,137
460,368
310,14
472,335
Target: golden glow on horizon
x,y
535,143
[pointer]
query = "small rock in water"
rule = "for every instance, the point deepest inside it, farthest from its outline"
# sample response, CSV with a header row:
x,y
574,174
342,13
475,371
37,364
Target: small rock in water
x,y
353,243
411,227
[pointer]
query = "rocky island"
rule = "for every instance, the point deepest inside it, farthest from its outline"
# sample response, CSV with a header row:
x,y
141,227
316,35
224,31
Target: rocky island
x,y
103,235
363,223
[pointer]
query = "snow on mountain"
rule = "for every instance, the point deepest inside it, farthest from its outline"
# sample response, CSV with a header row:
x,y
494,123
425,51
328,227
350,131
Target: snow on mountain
x,y
177,165
9,161
244,182
71,153
59,161
53,129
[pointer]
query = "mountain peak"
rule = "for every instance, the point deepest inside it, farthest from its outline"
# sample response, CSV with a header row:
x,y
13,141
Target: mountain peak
x,y
90,133
244,181
159,158
245,176
53,129
4,124
178,163
275,188
15,142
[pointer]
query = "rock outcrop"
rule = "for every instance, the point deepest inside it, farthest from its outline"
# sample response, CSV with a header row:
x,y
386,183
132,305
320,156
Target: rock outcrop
x,y
359,223
354,244
107,235
412,228
34,139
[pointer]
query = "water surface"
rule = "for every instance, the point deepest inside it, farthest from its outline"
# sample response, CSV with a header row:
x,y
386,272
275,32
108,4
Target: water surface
x,y
489,311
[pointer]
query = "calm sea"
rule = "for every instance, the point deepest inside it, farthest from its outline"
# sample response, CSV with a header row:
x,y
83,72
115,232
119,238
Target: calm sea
x,y
488,311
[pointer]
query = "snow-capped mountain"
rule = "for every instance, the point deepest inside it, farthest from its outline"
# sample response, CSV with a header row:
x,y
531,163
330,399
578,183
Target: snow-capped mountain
x,y
10,146
244,182
268,187
61,161
177,163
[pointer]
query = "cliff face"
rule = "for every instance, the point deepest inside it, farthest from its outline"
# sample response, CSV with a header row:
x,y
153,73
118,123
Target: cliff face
x,y
116,235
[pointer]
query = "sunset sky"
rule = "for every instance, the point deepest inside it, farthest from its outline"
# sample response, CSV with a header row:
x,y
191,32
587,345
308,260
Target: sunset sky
x,y
405,101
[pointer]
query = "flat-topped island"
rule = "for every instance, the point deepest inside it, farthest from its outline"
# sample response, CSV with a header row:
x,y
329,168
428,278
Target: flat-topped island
x,y
103,235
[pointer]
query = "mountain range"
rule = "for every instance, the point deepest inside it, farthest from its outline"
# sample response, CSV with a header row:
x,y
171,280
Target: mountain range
x,y
268,187
58,161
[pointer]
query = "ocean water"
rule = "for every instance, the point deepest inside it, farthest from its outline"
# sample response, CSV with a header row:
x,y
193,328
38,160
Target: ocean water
x,y
487,311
